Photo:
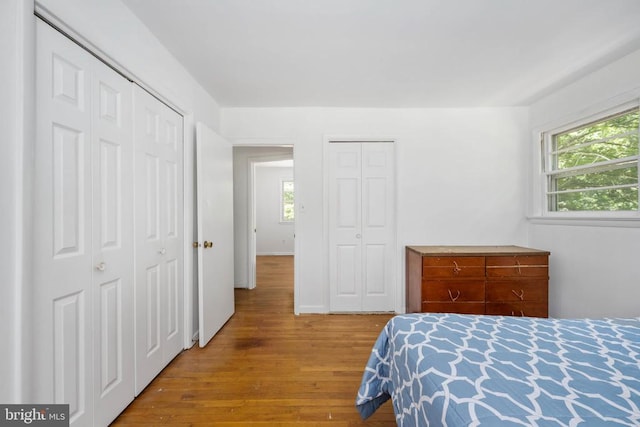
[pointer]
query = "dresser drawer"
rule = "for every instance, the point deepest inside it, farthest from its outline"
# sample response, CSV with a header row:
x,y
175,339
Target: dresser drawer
x,y
451,267
517,290
453,290
518,266
453,307
528,309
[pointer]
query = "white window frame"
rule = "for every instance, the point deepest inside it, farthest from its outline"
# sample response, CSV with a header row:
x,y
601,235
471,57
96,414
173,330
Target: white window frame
x,y
543,157
282,182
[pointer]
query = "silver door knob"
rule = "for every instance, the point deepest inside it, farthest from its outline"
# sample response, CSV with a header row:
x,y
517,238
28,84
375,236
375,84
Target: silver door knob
x,y
358,236
101,267
162,251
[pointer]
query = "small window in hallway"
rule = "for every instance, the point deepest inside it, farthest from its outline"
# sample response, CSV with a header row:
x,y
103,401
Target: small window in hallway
x,y
286,201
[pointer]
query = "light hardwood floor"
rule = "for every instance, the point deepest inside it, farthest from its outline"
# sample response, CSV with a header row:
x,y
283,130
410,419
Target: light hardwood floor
x,y
267,367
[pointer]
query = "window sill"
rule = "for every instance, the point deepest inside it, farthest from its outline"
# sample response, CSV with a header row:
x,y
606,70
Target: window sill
x,y
629,222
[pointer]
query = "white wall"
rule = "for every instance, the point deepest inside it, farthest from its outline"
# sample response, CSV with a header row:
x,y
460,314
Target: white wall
x,y
17,35
595,266
272,237
461,177
270,150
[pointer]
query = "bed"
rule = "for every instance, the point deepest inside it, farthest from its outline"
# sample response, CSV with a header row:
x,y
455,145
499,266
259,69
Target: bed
x,y
466,370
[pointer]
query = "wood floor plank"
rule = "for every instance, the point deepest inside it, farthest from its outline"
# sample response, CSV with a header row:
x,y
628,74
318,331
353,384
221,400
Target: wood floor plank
x,y
267,367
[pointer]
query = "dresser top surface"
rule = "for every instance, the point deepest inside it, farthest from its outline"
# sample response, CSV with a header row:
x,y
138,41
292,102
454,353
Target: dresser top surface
x,y
475,250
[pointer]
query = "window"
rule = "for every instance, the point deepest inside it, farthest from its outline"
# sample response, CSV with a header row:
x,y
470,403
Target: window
x,y
286,201
593,167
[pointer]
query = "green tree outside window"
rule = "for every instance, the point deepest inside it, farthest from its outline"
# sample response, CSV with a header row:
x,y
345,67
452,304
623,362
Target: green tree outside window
x,y
595,167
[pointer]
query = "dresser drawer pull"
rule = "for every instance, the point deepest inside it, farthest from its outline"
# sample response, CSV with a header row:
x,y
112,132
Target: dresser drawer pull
x,y
513,313
519,270
519,295
456,297
456,269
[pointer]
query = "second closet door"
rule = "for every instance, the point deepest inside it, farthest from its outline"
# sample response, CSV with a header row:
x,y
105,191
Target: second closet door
x,y
158,236
361,226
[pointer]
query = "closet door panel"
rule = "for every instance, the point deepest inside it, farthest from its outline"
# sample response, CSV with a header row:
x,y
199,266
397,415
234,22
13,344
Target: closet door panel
x,y
172,248
345,227
110,203
172,223
171,190
347,273
69,152
173,301
378,226
62,273
149,276
70,356
153,352
112,236
110,335
151,193
375,269
158,236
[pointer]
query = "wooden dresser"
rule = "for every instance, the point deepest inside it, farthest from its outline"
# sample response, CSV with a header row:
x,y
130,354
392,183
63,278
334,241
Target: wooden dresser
x,y
498,280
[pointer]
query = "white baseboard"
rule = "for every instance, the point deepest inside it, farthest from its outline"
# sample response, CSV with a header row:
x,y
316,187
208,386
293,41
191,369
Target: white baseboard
x,y
312,309
275,254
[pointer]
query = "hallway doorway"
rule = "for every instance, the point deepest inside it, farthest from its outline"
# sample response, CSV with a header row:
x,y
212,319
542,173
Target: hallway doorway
x,y
264,218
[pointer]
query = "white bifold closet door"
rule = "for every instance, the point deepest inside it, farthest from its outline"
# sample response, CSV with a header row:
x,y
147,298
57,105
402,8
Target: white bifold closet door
x,y
361,226
158,235
107,234
83,233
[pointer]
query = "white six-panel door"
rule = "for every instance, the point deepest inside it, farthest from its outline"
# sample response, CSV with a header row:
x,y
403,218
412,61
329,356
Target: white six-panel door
x,y
158,224
361,226
83,246
112,225
215,232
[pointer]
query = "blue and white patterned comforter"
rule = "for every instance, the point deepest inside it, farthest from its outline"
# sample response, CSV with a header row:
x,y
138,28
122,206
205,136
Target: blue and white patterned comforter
x,y
463,370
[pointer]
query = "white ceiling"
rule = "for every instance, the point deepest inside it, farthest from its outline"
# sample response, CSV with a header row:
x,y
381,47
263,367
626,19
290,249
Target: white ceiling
x,y
390,53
